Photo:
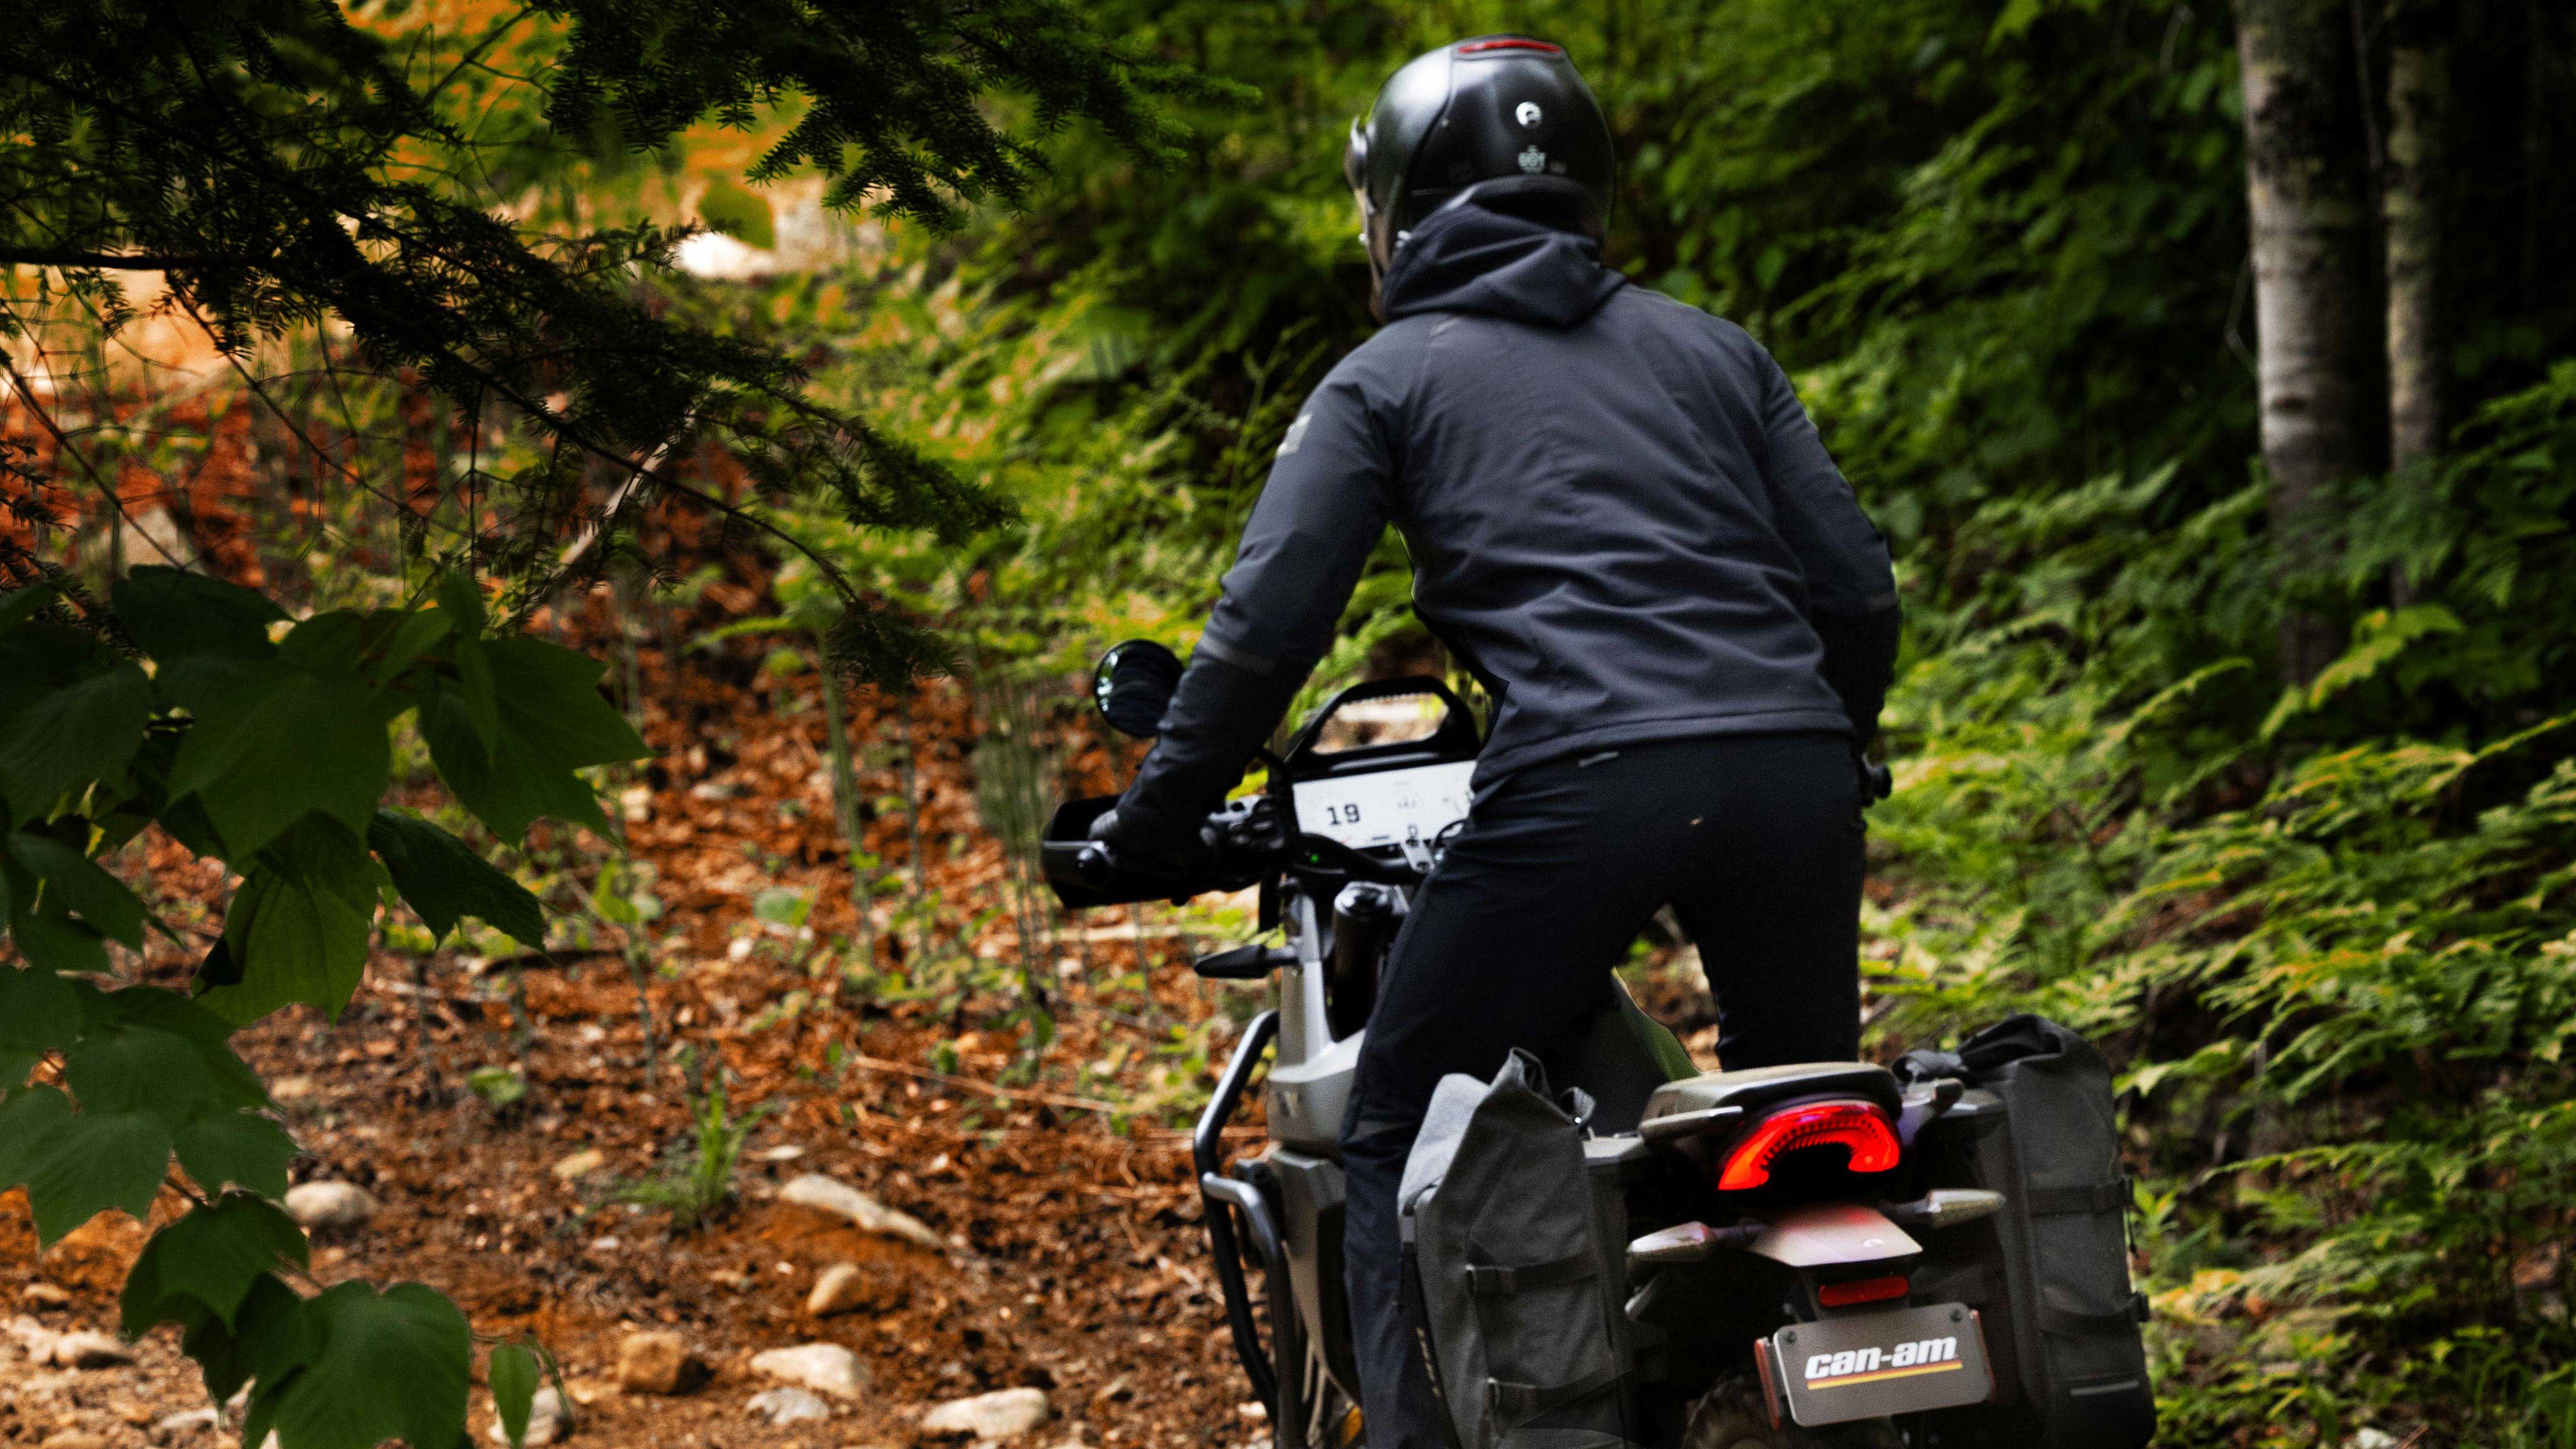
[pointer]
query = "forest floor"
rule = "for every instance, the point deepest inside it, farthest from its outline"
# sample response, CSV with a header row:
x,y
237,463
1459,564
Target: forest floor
x,y
1069,1251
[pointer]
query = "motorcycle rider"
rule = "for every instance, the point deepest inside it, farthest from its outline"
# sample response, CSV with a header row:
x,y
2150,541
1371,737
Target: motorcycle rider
x,y
1623,524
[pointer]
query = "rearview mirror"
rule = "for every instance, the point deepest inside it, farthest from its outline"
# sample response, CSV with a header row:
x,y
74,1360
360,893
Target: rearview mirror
x,y
1133,683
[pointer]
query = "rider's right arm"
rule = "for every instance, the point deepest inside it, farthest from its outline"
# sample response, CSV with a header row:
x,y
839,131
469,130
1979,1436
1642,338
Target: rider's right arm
x,y
1309,537
1851,583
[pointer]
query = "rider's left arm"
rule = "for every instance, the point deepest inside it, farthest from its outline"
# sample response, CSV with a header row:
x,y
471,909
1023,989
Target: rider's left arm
x,y
1302,552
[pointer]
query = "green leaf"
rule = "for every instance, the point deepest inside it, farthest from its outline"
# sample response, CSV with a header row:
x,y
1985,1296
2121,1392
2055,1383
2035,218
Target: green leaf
x,y
149,1050
208,1261
443,879
237,1148
88,731
78,883
410,639
514,1374
299,925
76,1165
273,742
268,1331
56,943
383,1366
39,1011
172,614
551,721
19,605
461,599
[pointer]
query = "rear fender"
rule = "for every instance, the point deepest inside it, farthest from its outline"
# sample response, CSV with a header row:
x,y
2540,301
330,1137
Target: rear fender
x,y
1830,1234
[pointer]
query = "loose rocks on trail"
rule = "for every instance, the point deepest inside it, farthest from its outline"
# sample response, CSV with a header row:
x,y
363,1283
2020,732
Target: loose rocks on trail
x,y
826,1368
658,1363
1005,1414
783,1406
330,1207
814,1190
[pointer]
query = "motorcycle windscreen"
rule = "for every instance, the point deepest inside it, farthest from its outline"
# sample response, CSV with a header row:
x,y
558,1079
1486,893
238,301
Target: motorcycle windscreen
x,y
1872,1365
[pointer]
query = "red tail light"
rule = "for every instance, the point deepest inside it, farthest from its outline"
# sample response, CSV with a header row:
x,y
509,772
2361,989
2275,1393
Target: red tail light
x,y
1861,1290
1859,1126
1481,46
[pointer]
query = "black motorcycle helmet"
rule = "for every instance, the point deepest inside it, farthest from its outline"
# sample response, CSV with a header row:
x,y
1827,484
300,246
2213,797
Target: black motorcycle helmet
x,y
1505,116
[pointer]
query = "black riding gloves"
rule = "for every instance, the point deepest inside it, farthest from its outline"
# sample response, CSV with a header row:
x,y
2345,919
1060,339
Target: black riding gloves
x,y
1217,720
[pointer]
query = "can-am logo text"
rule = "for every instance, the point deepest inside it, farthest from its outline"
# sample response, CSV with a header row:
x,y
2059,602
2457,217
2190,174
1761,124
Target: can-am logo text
x,y
1855,1365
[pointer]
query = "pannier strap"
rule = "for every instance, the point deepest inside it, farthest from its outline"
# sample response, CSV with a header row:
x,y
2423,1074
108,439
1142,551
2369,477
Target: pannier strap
x,y
1524,1402
1492,1281
2101,1197
2066,1323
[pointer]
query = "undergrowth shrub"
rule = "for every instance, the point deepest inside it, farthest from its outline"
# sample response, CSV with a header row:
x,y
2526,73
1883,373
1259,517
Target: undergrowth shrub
x,y
199,709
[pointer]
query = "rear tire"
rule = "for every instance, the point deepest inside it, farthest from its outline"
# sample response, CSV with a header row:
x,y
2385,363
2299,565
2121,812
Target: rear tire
x,y
1733,1416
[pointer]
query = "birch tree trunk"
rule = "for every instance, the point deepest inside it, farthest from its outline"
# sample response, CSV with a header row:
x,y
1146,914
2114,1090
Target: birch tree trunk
x,y
2314,293
2411,212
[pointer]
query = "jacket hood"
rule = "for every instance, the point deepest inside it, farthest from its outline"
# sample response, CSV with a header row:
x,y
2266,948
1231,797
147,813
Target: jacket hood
x,y
1468,258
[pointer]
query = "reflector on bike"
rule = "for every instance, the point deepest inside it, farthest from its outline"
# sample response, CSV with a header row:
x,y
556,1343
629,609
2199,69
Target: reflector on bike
x,y
1862,1127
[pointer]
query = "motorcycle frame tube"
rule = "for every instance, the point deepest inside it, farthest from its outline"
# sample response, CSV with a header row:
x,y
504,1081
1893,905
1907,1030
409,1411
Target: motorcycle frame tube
x,y
1224,1200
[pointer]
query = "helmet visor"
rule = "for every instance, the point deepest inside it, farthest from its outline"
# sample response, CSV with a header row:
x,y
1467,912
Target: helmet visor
x,y
1355,167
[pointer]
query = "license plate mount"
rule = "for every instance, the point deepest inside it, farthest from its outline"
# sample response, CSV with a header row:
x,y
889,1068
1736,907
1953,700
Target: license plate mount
x,y
1872,1365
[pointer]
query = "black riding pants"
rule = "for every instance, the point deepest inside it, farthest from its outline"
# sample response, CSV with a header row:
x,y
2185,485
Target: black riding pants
x,y
1754,840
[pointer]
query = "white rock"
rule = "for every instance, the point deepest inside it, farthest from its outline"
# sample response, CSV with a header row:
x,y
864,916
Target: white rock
x,y
330,1206
90,1349
42,1295
548,1420
190,1422
826,1368
2369,1438
814,1190
837,1291
580,1164
1005,1414
34,1338
783,1406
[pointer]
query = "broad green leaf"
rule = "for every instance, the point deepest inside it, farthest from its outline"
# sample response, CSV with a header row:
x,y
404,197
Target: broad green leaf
x,y
384,1366
551,722
241,1149
514,1374
443,879
331,642
414,636
299,925
76,1165
87,731
461,599
78,883
273,742
54,943
38,1010
19,605
172,613
150,1050
271,1335
208,1260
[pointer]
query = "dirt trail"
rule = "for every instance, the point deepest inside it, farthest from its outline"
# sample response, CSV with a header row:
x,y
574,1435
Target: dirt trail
x,y
1071,1257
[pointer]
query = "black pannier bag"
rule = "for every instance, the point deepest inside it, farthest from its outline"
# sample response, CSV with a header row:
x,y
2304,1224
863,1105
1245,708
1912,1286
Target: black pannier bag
x,y
1514,1253
2050,1276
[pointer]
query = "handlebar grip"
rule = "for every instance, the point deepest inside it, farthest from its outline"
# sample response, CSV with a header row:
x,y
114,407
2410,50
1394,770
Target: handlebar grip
x,y
1095,865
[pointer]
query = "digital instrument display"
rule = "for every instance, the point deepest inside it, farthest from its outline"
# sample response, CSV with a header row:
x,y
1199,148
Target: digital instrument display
x,y
1388,807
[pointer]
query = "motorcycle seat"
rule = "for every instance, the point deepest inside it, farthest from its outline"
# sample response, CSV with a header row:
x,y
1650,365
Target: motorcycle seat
x,y
1759,1087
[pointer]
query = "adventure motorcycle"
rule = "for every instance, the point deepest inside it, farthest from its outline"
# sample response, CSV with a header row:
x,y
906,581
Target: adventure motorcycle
x,y
1773,1214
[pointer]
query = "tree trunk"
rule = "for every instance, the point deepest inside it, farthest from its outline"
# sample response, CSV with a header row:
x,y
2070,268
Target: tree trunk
x,y
2410,210
2314,296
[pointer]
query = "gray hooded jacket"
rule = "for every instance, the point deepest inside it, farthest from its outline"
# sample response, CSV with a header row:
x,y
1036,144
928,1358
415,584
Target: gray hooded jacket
x,y
1620,520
